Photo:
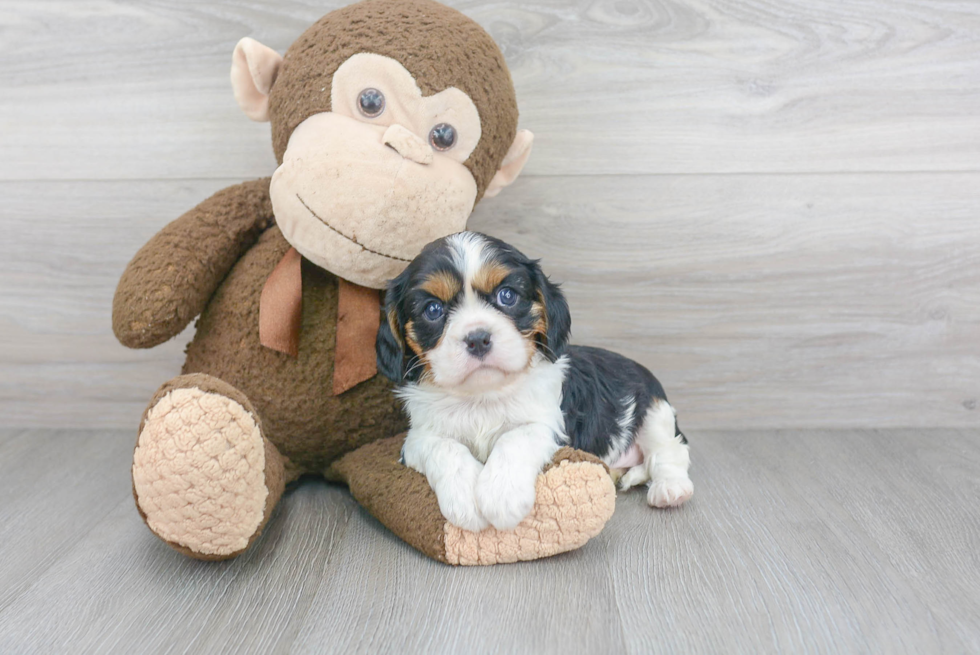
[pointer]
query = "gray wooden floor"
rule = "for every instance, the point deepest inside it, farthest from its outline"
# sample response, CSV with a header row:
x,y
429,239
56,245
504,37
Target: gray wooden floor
x,y
795,542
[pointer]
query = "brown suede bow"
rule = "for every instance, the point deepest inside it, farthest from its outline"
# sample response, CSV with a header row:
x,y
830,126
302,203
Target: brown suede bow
x,y
358,318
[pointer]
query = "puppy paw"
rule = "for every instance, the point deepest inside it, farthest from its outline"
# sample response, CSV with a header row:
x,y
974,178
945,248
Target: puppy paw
x,y
457,498
505,496
635,476
669,492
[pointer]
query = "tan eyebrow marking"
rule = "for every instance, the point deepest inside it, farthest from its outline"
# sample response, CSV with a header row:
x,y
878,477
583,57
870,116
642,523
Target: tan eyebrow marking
x,y
489,276
441,284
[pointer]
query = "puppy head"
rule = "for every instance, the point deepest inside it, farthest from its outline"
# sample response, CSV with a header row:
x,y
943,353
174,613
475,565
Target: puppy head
x,y
469,313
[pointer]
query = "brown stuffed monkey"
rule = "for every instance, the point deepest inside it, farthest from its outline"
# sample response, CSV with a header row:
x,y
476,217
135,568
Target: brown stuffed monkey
x,y
390,120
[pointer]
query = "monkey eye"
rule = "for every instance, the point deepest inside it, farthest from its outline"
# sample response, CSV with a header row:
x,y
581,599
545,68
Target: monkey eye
x,y
433,311
371,102
443,136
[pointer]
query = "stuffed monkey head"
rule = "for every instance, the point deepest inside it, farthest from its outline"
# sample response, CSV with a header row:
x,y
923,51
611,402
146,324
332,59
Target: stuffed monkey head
x,y
390,120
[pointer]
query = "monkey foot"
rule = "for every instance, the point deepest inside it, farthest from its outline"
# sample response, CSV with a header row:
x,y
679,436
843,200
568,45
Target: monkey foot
x,y
200,470
575,496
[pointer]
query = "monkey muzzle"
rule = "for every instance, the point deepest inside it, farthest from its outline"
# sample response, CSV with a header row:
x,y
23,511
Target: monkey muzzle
x,y
362,200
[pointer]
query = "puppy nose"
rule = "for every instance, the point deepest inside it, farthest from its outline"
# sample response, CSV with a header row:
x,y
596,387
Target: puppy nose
x,y
407,144
478,343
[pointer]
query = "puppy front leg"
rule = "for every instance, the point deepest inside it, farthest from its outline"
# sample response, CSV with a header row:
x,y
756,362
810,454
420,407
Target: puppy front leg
x,y
505,489
452,472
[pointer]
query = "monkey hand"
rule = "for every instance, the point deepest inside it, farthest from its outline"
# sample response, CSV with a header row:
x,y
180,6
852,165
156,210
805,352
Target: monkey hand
x,y
173,276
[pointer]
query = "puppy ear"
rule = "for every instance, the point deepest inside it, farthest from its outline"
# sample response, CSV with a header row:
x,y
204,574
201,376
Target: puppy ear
x,y
391,353
558,319
390,344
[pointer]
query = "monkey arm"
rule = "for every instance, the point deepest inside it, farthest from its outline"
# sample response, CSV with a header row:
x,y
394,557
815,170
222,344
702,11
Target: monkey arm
x,y
173,276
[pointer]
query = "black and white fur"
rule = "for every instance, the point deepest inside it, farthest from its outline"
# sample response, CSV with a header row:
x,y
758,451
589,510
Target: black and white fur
x,y
493,390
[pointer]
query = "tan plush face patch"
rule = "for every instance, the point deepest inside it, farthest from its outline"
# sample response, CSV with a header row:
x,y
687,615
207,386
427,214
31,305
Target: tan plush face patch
x,y
362,188
352,204
403,103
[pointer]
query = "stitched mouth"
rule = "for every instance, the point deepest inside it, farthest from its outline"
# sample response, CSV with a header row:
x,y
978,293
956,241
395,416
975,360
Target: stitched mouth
x,y
349,238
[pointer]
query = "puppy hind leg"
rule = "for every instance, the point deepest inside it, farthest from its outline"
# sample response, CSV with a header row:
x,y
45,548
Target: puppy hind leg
x,y
666,457
636,475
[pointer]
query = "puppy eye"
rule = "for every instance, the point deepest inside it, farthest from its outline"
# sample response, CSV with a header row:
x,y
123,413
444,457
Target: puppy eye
x,y
443,136
506,296
371,102
433,311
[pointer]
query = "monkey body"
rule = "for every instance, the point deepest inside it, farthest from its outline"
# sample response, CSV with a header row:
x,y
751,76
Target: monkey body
x,y
309,426
281,274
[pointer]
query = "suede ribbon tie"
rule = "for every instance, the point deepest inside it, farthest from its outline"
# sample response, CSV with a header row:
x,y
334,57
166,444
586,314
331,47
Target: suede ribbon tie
x,y
358,318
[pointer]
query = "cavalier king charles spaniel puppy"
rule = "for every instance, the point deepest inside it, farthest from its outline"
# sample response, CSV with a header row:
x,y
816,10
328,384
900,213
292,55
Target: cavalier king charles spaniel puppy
x,y
477,339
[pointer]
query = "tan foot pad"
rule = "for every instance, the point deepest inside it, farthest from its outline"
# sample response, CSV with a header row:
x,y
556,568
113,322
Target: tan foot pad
x,y
199,472
574,501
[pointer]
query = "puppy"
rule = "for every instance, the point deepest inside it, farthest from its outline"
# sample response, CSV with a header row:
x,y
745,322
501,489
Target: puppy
x,y
477,337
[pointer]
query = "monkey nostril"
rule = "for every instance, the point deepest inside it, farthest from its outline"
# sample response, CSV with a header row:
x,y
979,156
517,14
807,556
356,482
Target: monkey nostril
x,y
478,343
407,144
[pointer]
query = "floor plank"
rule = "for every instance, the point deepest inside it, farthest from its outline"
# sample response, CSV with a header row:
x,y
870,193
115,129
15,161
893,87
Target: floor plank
x,y
56,486
796,541
408,604
771,556
120,590
613,86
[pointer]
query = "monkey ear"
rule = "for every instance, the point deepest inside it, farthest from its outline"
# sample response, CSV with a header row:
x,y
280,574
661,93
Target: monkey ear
x,y
253,70
513,163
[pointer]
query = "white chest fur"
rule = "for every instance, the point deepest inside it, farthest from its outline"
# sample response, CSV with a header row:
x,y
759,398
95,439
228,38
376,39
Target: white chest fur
x,y
478,420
